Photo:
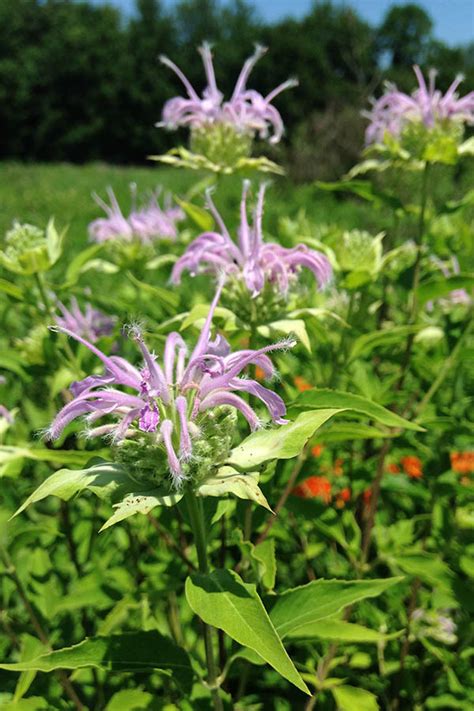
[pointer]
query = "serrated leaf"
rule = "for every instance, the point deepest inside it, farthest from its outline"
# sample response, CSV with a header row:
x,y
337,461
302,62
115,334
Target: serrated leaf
x,y
324,398
228,481
223,600
284,442
103,479
130,651
304,605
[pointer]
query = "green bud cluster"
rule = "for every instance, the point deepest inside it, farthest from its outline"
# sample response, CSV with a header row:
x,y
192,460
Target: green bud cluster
x,y
358,250
217,429
30,250
144,458
268,306
221,144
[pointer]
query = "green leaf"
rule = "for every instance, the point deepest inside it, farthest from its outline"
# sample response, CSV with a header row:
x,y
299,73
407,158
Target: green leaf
x,y
166,298
440,286
345,431
198,314
340,631
350,698
296,327
467,147
7,287
223,600
228,481
130,651
364,189
79,264
14,365
130,700
284,442
264,555
348,401
299,607
140,502
394,335
103,479
9,453
201,217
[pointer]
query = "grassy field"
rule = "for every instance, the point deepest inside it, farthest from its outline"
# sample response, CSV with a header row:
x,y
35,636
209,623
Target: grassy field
x,y
35,192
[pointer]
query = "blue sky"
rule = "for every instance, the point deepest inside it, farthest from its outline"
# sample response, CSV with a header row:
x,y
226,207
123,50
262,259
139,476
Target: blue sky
x,y
453,19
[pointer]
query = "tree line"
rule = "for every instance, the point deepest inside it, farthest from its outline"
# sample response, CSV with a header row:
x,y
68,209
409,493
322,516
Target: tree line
x,y
81,82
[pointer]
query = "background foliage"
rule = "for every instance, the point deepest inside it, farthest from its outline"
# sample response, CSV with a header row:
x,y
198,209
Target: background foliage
x,y
81,82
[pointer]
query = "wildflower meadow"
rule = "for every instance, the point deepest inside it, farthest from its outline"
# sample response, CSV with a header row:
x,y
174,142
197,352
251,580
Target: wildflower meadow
x,y
236,443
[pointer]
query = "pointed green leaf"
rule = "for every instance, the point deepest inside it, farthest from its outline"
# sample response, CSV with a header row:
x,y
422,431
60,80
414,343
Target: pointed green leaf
x,y
223,600
299,607
130,651
283,442
323,398
350,698
340,631
104,480
228,481
141,502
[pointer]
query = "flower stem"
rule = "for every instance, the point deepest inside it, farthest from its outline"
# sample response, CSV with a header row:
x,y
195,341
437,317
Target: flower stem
x,y
196,517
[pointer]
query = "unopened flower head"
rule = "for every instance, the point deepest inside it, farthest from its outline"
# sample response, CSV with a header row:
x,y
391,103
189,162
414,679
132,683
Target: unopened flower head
x,y
145,224
250,260
169,401
427,106
91,323
247,111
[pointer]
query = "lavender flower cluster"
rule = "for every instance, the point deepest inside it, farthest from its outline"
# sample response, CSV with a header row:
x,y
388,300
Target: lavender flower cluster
x,y
167,400
426,105
250,259
90,324
146,224
247,111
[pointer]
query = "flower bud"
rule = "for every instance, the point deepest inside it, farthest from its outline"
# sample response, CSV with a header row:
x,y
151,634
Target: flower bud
x,y
31,250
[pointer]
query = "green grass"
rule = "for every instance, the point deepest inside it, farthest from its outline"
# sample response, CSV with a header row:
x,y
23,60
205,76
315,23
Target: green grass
x,y
35,192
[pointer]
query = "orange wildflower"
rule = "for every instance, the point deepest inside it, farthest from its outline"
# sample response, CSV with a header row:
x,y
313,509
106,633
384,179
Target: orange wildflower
x,y
393,468
259,373
314,486
301,384
462,462
412,466
343,497
317,450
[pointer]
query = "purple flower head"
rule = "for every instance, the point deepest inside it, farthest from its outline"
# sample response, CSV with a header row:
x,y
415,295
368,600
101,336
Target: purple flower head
x,y
167,399
145,224
251,259
247,110
426,105
90,323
